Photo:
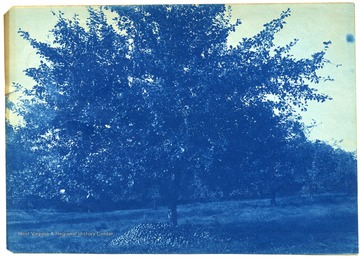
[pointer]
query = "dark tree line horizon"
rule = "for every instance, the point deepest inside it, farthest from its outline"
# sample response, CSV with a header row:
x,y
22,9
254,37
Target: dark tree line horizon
x,y
155,106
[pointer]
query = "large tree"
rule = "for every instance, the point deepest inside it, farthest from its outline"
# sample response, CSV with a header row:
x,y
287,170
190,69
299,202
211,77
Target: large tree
x,y
156,98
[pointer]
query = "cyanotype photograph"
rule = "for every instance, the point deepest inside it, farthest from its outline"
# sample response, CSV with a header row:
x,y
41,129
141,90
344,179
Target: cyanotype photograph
x,y
181,129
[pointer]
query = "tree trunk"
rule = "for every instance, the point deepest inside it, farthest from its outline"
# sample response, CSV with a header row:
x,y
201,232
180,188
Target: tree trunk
x,y
273,198
172,199
172,213
154,204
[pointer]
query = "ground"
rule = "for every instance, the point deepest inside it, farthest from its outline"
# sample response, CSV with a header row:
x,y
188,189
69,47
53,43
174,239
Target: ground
x,y
297,225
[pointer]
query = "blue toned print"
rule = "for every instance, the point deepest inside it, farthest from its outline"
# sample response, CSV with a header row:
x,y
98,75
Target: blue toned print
x,y
147,133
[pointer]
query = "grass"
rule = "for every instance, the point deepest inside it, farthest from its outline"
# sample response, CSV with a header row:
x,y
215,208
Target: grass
x,y
326,225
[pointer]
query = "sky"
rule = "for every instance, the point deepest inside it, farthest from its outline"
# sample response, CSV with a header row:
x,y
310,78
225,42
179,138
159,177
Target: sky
x,y
312,24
